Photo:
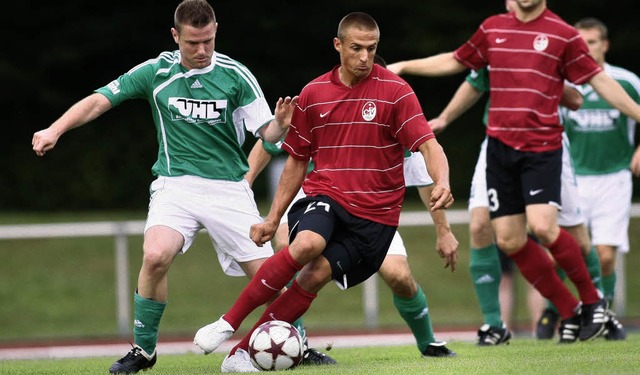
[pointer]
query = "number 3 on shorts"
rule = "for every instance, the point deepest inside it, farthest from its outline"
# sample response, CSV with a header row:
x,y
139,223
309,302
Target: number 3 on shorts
x,y
494,204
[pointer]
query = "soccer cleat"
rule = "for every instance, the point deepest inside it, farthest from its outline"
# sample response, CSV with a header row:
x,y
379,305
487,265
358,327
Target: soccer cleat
x,y
569,330
613,328
238,362
136,360
438,349
594,316
209,337
490,336
312,356
546,326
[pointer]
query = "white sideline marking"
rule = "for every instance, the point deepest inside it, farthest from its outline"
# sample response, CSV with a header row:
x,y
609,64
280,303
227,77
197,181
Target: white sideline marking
x,y
182,347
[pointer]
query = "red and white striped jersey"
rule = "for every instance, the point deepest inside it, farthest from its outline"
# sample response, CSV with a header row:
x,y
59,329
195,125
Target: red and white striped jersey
x,y
528,64
356,137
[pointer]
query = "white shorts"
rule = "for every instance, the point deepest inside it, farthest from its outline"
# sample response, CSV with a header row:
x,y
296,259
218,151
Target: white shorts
x,y
226,209
607,206
415,171
570,214
397,246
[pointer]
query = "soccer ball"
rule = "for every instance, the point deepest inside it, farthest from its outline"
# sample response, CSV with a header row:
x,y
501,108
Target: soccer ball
x,y
275,345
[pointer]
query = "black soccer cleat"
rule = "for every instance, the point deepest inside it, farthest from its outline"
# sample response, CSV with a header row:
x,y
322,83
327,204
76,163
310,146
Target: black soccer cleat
x,y
438,349
569,330
613,328
312,356
546,326
491,336
593,318
133,362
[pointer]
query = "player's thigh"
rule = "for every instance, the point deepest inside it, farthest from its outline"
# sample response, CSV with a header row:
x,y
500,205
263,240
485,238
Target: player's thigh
x,y
170,207
511,232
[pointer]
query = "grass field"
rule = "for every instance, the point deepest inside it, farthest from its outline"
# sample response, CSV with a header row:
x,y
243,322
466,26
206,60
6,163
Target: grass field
x,y
64,289
522,356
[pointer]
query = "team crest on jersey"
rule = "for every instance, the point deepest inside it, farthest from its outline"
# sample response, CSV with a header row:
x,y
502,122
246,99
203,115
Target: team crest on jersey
x,y
541,42
198,111
369,111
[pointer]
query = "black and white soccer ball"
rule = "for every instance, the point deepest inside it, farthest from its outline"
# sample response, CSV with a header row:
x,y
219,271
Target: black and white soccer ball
x,y
275,345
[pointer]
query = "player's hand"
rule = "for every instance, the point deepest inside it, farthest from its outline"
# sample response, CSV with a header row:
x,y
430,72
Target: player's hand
x,y
441,198
263,232
438,125
44,140
284,111
447,248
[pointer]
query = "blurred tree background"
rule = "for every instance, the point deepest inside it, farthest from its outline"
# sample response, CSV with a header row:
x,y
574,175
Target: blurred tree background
x,y
57,53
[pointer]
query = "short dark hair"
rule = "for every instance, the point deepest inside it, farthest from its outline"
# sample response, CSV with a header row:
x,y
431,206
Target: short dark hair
x,y
359,20
593,23
196,13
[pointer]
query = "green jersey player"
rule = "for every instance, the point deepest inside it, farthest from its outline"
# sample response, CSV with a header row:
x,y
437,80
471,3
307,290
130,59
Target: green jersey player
x,y
604,156
202,103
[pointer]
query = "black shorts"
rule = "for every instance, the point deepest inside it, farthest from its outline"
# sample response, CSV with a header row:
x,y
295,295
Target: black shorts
x,y
356,247
516,179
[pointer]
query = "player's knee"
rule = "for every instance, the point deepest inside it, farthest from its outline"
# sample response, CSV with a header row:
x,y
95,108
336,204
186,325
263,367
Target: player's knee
x,y
544,232
481,232
607,262
155,259
401,283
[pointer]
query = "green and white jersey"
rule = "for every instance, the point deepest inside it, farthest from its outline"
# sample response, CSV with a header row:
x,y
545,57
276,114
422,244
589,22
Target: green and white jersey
x,y
602,138
201,115
479,80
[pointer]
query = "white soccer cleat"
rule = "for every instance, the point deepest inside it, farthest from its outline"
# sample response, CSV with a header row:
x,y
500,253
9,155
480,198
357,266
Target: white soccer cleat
x,y
209,337
239,362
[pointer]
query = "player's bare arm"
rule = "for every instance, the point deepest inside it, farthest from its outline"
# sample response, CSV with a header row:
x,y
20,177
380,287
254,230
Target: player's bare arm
x,y
611,91
290,181
464,98
635,162
436,65
446,242
277,128
438,168
258,159
77,115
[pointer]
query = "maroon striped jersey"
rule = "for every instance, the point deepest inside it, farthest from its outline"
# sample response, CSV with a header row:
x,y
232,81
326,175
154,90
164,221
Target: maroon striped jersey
x,y
528,64
356,137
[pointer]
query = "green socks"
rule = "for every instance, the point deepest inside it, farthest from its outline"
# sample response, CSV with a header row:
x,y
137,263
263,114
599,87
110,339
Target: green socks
x,y
147,315
595,270
415,312
609,286
486,273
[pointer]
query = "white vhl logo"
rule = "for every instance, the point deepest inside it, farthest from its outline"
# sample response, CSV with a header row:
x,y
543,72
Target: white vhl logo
x,y
194,111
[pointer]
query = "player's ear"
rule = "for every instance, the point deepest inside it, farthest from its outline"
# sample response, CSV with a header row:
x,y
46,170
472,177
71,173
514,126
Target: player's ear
x,y
174,34
337,44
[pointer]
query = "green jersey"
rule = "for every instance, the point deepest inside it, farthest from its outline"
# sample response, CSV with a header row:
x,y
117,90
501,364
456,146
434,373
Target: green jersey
x,y
602,138
201,115
479,80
